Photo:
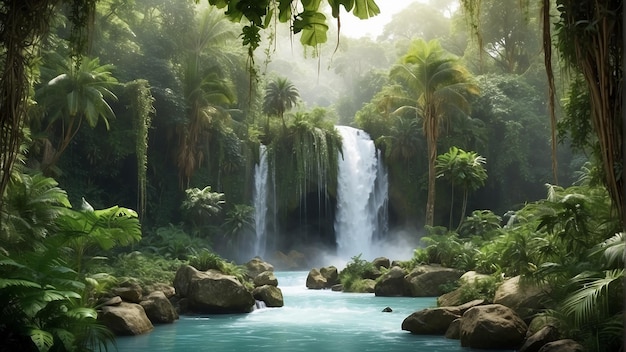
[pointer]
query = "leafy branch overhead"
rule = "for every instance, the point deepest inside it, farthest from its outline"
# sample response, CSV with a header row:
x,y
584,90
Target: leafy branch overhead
x,y
304,15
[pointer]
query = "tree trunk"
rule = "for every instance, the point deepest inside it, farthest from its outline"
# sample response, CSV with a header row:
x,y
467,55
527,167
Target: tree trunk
x,y
463,209
430,129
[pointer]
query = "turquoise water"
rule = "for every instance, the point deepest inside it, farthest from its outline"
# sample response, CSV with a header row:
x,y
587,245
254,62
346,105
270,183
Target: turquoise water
x,y
311,320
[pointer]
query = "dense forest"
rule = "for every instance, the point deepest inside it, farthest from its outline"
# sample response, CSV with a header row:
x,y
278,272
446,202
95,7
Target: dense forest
x,y
134,126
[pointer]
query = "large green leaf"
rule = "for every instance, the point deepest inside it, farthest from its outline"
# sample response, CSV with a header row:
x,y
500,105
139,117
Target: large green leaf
x,y
365,9
43,340
313,26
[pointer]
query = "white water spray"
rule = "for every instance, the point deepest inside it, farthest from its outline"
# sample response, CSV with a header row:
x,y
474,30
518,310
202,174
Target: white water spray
x,y
260,202
362,192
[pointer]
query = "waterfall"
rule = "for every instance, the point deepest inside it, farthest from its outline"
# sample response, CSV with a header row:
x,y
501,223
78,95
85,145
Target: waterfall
x,y
260,202
362,192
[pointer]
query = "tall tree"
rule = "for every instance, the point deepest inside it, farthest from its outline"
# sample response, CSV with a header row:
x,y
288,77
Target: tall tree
x,y
439,85
208,93
280,96
590,38
78,91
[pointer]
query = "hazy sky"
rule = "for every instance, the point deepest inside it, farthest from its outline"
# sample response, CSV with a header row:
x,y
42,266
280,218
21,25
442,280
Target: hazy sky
x,y
351,26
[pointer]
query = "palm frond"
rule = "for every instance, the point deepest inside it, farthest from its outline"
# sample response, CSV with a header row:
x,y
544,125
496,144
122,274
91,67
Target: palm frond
x,y
591,300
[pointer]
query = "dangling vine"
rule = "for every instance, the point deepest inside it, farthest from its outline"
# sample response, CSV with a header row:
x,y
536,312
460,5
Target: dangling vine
x,y
142,110
307,156
24,24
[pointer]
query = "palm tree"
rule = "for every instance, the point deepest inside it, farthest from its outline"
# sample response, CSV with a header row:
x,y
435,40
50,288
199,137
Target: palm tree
x,y
79,91
463,169
440,85
280,96
207,92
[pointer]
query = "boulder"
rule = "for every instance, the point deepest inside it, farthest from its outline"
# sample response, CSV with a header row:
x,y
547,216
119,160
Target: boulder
x,y
270,294
562,346
391,283
158,308
462,308
337,287
125,319
372,273
265,278
472,277
454,330
129,291
523,297
183,278
452,298
381,262
492,326
537,340
214,292
167,290
427,280
315,280
430,321
331,274
113,301
256,266
539,322
387,310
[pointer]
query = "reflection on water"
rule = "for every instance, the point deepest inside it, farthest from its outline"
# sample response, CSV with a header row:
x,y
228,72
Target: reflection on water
x,y
311,320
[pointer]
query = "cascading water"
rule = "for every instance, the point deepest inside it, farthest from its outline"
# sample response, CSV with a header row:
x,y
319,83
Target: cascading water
x,y
362,192
260,202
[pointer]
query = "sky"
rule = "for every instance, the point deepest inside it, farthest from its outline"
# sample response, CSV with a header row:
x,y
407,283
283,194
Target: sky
x,y
353,27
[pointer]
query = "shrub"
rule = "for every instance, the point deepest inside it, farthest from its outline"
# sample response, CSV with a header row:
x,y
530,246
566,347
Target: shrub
x,y
354,272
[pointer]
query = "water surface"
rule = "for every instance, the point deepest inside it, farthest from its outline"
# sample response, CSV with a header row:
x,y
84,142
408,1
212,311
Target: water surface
x,y
311,320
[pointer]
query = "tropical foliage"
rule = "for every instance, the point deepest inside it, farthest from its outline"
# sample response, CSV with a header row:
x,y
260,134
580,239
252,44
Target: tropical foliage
x,y
42,280
438,85
464,169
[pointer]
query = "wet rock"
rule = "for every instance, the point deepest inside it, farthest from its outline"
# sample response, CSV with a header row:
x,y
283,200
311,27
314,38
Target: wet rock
x,y
492,326
271,295
523,297
542,337
265,278
256,266
430,321
315,280
392,283
454,330
159,309
562,346
331,274
125,319
129,291
212,291
381,262
387,310
426,280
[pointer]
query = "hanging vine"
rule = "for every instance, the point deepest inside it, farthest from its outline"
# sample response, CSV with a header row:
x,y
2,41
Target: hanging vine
x,y
307,156
589,38
24,24
142,111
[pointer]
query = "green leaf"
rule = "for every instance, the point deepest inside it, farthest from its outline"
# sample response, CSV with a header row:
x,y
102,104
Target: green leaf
x,y
284,8
4,283
365,9
43,340
313,26
82,313
311,5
